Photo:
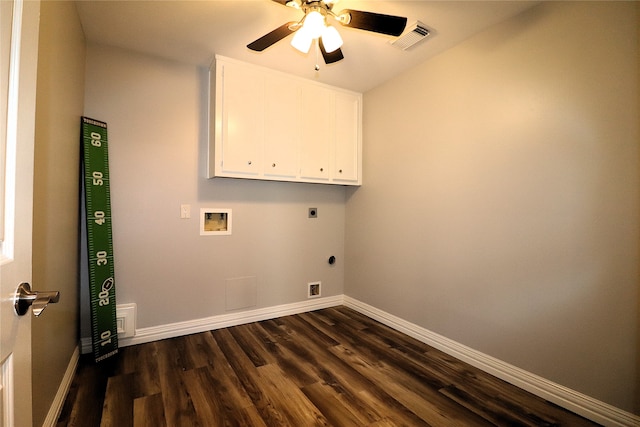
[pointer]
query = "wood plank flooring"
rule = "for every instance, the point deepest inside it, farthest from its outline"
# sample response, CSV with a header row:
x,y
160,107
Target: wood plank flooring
x,y
331,367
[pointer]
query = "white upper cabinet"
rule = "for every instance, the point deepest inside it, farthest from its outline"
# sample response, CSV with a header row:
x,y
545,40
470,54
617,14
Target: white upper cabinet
x,y
273,126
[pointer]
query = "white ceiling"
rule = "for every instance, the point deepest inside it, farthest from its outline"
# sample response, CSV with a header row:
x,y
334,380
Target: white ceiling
x,y
194,31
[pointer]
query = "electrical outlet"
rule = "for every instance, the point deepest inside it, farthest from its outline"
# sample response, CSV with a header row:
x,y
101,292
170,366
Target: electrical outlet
x,y
185,211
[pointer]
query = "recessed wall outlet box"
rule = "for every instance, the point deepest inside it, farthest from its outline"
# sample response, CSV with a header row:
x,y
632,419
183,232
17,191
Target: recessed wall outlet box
x,y
314,289
126,320
215,221
313,212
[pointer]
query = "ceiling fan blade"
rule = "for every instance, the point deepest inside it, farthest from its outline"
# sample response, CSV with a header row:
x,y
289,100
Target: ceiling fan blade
x,y
376,22
273,37
330,57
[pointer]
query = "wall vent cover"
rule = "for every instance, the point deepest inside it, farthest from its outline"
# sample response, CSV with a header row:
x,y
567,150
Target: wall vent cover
x,y
414,33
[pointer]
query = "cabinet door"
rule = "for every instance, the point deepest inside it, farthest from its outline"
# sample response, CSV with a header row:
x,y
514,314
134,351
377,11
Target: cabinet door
x,y
242,120
317,132
281,127
347,137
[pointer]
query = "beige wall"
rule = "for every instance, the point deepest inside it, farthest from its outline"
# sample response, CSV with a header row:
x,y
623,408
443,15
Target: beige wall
x,y
59,106
156,111
500,206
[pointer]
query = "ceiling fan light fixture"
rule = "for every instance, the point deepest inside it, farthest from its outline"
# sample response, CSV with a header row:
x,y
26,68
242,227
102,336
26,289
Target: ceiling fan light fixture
x,y
314,24
313,27
302,40
331,39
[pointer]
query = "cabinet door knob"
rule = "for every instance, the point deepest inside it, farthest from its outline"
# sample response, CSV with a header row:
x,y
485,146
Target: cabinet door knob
x,y
273,165
321,169
249,162
340,171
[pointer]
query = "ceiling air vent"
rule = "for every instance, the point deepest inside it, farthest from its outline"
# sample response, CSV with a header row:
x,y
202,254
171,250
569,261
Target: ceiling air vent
x,y
411,36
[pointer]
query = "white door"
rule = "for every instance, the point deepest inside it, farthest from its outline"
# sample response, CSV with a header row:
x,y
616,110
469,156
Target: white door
x,y
18,63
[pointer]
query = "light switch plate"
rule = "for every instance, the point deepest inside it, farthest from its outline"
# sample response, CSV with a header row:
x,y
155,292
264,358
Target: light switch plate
x,y
185,211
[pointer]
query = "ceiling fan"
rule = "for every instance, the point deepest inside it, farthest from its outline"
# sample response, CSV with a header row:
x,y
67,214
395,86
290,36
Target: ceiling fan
x,y
313,26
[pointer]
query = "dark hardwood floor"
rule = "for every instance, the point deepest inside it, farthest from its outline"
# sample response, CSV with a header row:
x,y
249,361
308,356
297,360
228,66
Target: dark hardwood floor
x,y
331,367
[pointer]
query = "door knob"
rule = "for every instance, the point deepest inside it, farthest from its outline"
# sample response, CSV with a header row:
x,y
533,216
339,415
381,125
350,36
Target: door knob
x,y
37,300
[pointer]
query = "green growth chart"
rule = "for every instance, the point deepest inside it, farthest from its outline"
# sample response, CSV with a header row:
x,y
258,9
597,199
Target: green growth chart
x,y
97,197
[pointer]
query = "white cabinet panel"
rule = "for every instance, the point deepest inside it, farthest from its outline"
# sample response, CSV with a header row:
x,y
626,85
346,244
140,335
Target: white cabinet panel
x,y
242,118
347,138
281,129
317,132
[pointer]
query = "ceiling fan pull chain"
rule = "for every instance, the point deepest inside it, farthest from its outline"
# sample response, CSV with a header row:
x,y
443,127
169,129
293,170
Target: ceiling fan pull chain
x,y
317,68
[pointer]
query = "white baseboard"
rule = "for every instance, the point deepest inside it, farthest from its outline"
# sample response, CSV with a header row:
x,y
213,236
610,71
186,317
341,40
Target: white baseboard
x,y
572,400
155,333
58,401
